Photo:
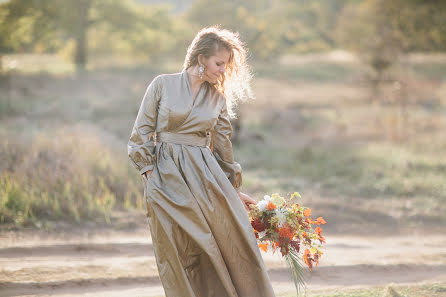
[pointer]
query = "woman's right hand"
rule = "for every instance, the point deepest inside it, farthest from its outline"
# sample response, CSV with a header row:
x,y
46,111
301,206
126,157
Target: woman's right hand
x,y
247,201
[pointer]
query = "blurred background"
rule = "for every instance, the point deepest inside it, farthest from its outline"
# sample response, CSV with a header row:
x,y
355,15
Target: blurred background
x,y
350,111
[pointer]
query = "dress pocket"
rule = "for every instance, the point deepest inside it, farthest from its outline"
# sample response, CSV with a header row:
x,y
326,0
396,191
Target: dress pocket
x,y
145,177
148,184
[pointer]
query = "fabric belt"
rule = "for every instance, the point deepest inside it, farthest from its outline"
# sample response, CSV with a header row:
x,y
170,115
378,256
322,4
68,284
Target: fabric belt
x,y
187,139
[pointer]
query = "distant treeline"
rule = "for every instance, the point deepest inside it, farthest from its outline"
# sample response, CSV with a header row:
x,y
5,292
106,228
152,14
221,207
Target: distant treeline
x,y
79,29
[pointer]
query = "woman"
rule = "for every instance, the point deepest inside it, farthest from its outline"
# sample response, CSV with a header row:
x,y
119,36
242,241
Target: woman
x,y
202,239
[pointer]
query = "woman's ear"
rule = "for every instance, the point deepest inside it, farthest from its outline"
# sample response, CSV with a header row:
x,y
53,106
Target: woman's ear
x,y
201,59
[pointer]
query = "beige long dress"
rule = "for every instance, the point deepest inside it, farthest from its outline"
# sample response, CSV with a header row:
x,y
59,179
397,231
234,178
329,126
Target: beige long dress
x,y
203,242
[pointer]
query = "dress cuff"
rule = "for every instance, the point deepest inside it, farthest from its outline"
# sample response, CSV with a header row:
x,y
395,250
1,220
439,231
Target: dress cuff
x,y
233,172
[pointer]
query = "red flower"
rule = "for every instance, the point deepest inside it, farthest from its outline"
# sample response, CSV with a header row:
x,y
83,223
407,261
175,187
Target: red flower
x,y
258,225
302,223
295,245
299,219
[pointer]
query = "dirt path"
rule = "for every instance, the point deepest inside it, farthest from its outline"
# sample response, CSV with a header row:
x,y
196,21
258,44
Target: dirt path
x,y
112,262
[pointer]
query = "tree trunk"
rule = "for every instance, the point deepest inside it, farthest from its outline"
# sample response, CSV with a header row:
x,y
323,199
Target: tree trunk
x,y
237,126
81,32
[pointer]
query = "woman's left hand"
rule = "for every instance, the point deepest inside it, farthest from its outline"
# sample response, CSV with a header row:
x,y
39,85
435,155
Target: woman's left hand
x,y
246,200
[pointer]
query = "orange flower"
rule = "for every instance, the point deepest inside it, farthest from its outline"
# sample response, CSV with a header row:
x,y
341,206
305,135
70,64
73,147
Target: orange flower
x,y
275,246
271,206
263,246
308,259
286,231
306,238
321,239
321,220
307,212
318,231
316,258
310,221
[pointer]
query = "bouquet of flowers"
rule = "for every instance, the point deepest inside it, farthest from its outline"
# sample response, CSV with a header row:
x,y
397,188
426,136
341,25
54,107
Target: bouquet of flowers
x,y
280,224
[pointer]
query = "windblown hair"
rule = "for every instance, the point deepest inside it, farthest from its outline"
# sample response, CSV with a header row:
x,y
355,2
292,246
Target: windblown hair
x,y
234,84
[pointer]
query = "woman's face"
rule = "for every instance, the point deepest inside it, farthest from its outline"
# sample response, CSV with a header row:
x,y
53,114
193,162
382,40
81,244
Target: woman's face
x,y
215,65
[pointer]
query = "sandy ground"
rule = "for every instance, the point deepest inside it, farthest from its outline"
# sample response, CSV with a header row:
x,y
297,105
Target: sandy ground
x,y
119,261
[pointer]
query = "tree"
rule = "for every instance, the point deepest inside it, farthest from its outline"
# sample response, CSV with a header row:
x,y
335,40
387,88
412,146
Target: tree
x,y
56,21
306,25
251,18
274,27
379,31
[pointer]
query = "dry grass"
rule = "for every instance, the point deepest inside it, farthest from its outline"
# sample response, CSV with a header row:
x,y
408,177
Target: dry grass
x,y
68,173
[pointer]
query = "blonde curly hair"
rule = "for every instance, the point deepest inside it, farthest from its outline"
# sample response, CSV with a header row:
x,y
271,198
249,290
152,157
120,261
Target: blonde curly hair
x,y
234,84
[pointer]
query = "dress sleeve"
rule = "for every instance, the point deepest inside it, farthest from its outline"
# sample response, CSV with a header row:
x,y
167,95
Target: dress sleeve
x,y
222,149
141,145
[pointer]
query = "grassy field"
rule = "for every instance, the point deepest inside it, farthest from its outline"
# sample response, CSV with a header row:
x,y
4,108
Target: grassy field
x,y
427,290
313,128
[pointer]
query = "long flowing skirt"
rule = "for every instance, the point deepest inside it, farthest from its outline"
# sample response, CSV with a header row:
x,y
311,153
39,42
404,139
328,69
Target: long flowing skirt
x,y
202,238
